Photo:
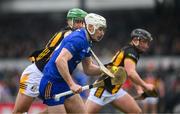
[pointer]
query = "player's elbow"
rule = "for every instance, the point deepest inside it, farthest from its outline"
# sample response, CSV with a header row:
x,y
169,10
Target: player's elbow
x,y
86,71
59,61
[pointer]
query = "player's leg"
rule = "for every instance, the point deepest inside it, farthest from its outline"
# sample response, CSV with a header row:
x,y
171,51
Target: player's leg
x,y
152,104
127,104
49,88
154,108
58,109
28,89
23,103
92,107
98,97
75,104
145,106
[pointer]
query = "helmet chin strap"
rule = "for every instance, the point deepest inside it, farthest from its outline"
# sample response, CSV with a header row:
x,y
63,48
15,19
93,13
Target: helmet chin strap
x,y
72,26
71,23
91,33
135,43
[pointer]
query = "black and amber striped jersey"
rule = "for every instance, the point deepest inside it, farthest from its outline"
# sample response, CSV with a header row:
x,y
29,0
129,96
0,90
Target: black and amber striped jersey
x,y
127,51
41,57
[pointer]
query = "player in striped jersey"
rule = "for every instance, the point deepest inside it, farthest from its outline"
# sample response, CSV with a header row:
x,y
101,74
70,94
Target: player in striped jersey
x,y
31,76
127,57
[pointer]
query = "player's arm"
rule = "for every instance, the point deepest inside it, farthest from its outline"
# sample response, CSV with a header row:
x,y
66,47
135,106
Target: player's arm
x,y
130,68
90,68
139,89
62,66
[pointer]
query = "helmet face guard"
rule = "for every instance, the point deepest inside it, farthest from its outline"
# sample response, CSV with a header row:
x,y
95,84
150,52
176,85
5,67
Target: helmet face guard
x,y
144,38
97,21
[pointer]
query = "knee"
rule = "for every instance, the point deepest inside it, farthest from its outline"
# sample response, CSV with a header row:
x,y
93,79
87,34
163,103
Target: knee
x,y
15,111
139,110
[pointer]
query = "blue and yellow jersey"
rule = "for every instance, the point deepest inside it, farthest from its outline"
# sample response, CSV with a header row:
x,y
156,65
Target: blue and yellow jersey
x,y
127,51
77,44
41,57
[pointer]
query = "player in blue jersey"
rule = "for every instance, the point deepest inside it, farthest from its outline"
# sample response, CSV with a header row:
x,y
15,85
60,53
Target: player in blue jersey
x,y
73,49
31,76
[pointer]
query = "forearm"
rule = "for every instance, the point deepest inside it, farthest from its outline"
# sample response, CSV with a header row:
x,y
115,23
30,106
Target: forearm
x,y
139,89
134,76
62,67
90,68
93,70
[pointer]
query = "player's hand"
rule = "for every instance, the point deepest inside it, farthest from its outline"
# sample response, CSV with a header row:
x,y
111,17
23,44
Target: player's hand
x,y
149,87
147,93
76,88
139,90
151,91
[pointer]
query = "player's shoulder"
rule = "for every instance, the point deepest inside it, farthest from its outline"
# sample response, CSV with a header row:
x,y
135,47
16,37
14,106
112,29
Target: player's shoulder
x,y
129,49
79,34
131,52
80,31
76,36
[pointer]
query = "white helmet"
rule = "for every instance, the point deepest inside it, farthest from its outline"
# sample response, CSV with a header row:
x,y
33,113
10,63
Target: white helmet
x,y
95,20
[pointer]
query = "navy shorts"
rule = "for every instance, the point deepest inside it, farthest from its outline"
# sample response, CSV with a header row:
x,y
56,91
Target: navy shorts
x,y
49,87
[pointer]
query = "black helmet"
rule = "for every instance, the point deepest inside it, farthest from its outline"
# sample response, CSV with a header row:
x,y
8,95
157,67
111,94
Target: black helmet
x,y
141,34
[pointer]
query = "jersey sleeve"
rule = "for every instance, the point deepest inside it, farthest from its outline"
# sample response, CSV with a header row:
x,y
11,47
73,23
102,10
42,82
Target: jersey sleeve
x,y
88,54
131,54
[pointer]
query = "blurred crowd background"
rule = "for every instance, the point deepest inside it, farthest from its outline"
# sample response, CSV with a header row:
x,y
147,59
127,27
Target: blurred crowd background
x,y
24,29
